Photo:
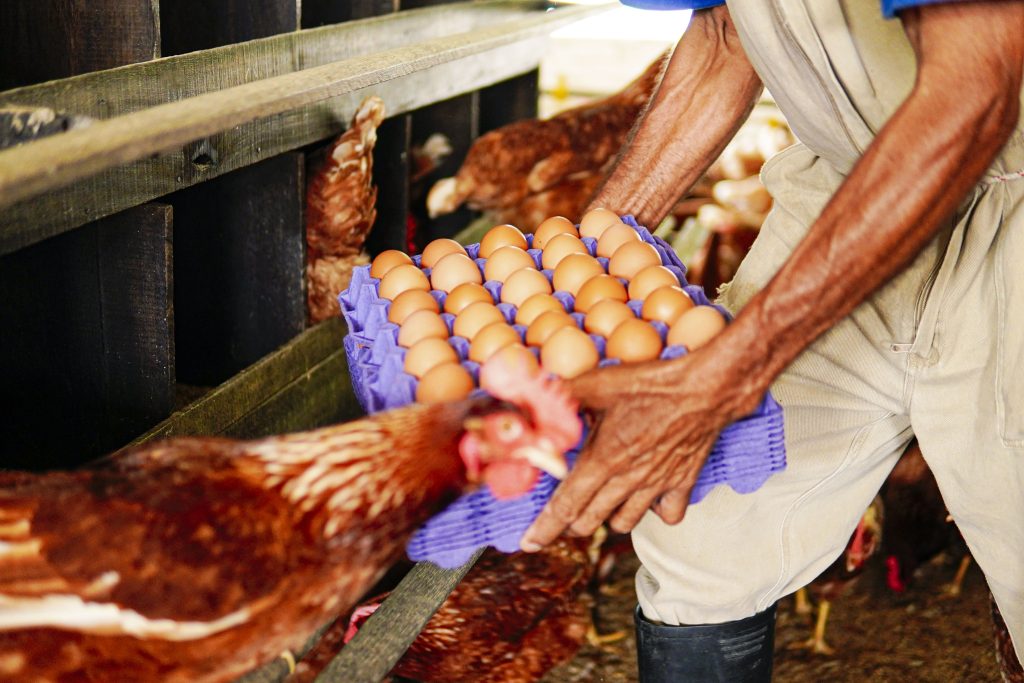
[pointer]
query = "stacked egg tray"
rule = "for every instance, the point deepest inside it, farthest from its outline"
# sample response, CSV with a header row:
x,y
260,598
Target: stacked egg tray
x,y
745,455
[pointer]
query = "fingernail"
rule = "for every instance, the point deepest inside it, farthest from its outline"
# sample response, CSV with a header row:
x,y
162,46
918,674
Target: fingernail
x,y
529,546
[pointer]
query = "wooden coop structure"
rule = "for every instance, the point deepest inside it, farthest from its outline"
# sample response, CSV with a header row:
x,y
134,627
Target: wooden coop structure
x,y
152,264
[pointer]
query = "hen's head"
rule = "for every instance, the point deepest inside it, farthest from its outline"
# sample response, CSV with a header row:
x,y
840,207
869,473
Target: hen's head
x,y
510,443
866,539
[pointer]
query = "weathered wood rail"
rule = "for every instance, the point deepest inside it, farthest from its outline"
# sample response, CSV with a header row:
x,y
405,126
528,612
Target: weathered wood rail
x,y
124,245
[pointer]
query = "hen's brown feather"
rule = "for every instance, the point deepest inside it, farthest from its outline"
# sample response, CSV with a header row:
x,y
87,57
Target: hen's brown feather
x,y
200,559
514,170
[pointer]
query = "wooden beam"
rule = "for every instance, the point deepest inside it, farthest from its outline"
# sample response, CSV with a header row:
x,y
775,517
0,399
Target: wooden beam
x,y
303,385
406,77
388,633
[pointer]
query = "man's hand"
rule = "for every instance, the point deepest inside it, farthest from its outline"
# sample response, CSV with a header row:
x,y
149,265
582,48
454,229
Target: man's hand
x,y
646,450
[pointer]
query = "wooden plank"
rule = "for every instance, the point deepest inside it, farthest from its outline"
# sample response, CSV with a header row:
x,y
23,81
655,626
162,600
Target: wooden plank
x,y
406,78
388,633
321,12
190,25
309,370
41,40
508,101
86,346
240,237
239,268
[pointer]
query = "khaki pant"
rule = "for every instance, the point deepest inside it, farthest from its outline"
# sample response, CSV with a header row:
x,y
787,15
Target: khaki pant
x,y
938,353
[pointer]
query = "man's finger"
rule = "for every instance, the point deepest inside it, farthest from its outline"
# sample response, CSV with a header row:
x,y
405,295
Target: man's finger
x,y
633,510
671,506
601,506
569,500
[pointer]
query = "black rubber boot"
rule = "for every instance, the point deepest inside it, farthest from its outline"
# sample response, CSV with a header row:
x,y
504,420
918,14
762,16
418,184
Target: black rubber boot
x,y
734,652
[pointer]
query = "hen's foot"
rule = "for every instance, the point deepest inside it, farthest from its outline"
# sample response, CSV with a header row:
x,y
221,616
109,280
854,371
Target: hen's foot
x,y
802,604
953,589
814,645
600,640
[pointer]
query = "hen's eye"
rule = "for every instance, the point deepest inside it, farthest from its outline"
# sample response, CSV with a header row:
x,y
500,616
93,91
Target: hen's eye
x,y
509,428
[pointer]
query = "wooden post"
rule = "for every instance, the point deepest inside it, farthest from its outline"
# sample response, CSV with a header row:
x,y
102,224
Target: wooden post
x,y
240,238
45,39
87,342
321,12
239,268
508,101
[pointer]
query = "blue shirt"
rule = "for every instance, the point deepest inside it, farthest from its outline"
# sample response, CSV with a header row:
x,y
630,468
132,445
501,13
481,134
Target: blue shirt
x,y
889,7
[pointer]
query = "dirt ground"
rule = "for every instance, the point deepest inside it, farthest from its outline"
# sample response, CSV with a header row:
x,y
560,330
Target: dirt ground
x,y
919,636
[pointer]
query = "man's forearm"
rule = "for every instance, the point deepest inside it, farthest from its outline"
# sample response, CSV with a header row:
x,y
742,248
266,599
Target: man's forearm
x,y
707,92
926,159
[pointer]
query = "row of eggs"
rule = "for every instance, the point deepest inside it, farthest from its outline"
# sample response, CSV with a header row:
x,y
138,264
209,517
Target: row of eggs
x,y
566,350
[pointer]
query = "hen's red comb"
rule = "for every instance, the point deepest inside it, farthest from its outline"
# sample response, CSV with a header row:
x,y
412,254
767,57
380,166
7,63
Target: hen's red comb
x,y
554,411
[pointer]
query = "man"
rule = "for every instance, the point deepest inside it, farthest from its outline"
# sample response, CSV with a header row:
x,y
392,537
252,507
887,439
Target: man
x,y
883,298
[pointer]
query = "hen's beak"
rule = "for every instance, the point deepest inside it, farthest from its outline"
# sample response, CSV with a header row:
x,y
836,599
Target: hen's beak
x,y
545,459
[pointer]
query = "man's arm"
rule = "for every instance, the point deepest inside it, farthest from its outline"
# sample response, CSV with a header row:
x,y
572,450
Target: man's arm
x,y
705,95
929,155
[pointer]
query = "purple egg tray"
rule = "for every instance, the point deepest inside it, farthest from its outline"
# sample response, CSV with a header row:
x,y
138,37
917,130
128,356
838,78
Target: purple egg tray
x,y
745,455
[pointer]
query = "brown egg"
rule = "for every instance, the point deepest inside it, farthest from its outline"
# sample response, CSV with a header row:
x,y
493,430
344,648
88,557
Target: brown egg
x,y
403,278
596,221
427,353
598,288
386,260
604,316
501,236
421,325
633,341
453,270
573,271
490,339
464,295
666,304
522,284
516,356
545,324
409,302
569,352
505,261
631,258
696,327
650,279
535,305
556,225
475,317
438,249
443,383
560,246
614,237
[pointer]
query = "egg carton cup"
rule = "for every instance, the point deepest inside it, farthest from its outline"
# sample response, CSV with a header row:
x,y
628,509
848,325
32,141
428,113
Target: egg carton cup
x,y
746,453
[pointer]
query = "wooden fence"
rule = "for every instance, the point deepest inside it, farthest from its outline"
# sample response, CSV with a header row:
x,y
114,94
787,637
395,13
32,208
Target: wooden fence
x,y
152,262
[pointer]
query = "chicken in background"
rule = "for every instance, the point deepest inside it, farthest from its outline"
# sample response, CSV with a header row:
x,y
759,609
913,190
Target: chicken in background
x,y
199,559
529,170
714,226
840,576
918,528
340,211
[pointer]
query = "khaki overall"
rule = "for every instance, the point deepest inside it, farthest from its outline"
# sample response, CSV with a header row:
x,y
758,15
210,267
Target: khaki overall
x,y
937,353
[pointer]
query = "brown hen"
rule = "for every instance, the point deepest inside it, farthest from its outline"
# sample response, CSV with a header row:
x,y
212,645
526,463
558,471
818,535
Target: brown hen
x,y
529,170
340,210
198,559
510,620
